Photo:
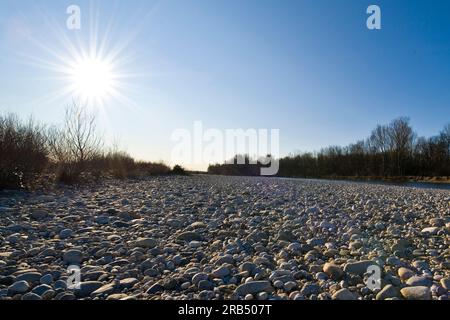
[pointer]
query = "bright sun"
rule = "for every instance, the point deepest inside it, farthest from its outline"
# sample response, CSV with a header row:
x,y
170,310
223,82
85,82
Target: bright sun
x,y
92,79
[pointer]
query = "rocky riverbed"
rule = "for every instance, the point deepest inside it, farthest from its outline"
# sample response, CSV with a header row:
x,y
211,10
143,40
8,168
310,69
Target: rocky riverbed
x,y
206,237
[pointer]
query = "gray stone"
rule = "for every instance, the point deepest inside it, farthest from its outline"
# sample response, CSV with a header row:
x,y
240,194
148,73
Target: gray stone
x,y
359,268
19,287
155,288
39,214
66,233
309,289
86,288
416,293
416,281
189,236
205,285
104,290
73,257
128,282
31,296
46,279
220,272
253,287
29,277
445,283
41,289
388,291
146,243
345,294
102,220
199,277
430,231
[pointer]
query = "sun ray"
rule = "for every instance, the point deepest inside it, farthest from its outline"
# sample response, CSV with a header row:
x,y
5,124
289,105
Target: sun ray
x,y
89,65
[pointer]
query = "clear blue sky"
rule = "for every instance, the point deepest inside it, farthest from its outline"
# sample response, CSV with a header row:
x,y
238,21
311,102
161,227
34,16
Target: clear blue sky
x,y
310,68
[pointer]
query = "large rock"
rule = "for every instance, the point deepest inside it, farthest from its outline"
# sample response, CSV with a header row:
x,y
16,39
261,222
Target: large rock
x,y
345,294
189,236
388,291
128,282
41,289
66,233
86,288
405,273
102,220
333,271
309,289
220,272
445,283
199,277
31,297
39,214
29,277
19,287
430,231
253,287
417,281
360,267
146,243
416,293
107,289
73,257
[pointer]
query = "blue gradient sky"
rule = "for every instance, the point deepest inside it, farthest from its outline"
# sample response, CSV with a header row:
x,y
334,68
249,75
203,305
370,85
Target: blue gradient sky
x,y
310,68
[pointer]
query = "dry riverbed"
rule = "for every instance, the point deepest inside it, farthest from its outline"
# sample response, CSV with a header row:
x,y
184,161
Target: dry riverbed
x,y
206,237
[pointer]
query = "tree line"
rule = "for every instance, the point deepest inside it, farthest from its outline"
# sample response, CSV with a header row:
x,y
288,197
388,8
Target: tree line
x,y
32,153
391,150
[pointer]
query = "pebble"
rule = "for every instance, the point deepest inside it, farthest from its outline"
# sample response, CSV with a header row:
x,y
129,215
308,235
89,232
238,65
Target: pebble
x,y
146,243
41,289
46,279
344,294
66,233
86,288
416,293
445,283
387,292
73,257
221,272
333,271
29,277
205,237
31,296
405,273
253,287
419,281
19,287
189,236
359,268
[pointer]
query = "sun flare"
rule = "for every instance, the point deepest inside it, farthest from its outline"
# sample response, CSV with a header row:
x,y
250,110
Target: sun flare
x,y
92,79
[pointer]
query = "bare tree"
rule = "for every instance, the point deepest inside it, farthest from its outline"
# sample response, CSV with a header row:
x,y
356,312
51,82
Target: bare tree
x,y
445,136
380,140
77,143
402,139
80,132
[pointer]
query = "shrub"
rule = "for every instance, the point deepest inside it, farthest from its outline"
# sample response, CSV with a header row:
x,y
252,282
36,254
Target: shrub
x,y
23,151
75,147
152,168
178,170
